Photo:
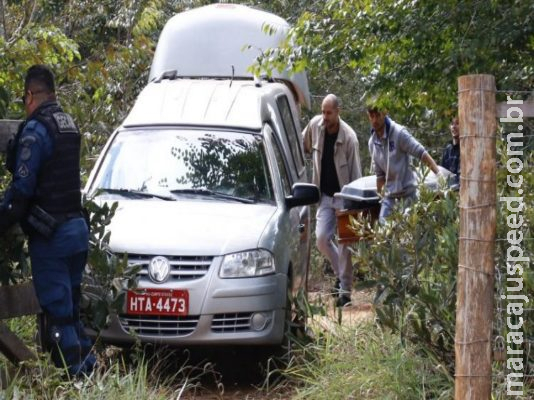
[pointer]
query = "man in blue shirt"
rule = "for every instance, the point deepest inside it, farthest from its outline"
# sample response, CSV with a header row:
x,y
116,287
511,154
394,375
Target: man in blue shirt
x,y
45,198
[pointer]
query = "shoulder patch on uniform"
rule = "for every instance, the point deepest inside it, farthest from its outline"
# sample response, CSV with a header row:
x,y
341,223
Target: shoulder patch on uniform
x,y
25,153
31,124
23,171
34,126
64,122
28,140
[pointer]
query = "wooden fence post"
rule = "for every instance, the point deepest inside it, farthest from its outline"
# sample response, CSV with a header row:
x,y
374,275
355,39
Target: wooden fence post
x,y
474,311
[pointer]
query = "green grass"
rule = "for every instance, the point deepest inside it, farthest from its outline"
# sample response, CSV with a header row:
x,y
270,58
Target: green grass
x,y
24,327
362,362
348,362
39,380
116,378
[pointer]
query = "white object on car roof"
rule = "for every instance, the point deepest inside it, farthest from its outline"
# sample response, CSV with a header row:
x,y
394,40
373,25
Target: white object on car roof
x,y
204,102
221,41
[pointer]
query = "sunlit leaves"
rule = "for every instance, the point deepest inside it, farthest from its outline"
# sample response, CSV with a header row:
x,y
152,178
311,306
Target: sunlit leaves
x,y
403,49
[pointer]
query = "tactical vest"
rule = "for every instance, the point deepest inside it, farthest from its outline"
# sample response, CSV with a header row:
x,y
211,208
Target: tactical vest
x,y
58,184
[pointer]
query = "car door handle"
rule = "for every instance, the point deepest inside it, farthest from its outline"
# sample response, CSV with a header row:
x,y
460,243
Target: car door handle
x,y
301,227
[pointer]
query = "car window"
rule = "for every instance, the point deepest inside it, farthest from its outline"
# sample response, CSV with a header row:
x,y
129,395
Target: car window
x,y
292,135
278,155
167,162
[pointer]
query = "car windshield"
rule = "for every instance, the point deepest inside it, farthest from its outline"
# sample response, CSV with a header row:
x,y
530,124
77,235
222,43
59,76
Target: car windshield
x,y
219,165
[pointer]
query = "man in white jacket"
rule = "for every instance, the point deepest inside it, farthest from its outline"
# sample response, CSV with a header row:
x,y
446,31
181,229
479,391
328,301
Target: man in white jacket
x,y
335,153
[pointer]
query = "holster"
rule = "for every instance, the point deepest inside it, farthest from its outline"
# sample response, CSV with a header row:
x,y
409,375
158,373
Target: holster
x,y
42,222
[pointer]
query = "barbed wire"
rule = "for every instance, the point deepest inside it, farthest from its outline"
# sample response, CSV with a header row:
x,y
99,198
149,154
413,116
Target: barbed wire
x,y
515,91
505,240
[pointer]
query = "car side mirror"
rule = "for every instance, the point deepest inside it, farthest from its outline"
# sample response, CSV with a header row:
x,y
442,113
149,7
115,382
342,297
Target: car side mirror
x,y
302,194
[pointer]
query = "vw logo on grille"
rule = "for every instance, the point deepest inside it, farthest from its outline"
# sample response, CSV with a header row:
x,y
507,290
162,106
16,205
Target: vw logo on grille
x,y
159,269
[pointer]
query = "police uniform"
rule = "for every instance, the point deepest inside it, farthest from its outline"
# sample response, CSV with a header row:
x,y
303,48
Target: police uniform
x,y
44,160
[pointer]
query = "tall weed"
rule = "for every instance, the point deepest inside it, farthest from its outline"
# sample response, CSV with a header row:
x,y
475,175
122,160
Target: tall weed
x,y
364,362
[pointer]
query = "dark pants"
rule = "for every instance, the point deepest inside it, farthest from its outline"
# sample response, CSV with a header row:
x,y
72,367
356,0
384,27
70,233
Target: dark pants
x,y
57,283
390,203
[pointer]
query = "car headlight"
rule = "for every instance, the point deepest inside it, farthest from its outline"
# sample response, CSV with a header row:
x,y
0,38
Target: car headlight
x,y
247,263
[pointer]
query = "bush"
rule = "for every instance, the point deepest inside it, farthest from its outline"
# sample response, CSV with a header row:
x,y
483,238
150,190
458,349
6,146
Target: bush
x,y
412,261
106,275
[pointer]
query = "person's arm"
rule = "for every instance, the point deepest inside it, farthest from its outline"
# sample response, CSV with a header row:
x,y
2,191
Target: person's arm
x,y
380,174
380,181
430,163
307,139
32,151
29,158
353,159
411,145
12,210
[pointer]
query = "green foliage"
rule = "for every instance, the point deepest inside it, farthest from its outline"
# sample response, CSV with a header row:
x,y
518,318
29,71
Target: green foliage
x,y
14,262
38,44
107,275
99,51
4,101
413,260
409,53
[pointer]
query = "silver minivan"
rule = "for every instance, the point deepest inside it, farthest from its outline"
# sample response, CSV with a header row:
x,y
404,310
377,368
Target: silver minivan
x,y
210,179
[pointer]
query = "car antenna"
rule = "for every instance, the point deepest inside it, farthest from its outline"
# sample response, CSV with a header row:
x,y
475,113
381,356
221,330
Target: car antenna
x,y
166,75
232,80
257,81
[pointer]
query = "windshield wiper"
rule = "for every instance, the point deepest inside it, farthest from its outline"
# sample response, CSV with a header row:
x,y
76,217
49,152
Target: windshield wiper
x,y
212,193
135,193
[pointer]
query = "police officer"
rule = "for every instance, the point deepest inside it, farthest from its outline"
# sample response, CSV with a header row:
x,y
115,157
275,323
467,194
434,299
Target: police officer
x,y
44,197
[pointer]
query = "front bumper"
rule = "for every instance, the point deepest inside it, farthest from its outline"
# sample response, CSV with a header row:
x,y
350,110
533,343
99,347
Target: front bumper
x,y
241,311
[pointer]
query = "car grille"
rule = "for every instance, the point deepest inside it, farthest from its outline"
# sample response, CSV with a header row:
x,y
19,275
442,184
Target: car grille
x,y
182,267
232,322
150,325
